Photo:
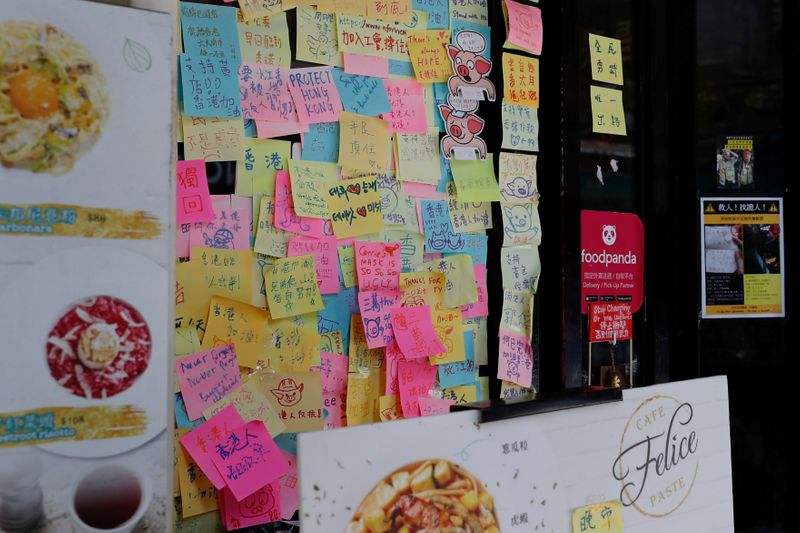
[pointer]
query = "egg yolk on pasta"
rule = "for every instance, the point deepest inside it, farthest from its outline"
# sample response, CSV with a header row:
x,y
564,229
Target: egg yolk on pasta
x,y
33,94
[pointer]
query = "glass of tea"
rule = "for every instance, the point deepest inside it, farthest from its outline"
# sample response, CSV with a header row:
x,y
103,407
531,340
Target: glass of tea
x,y
110,498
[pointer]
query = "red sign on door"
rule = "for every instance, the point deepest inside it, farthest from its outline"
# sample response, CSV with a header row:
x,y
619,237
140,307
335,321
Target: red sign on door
x,y
612,259
610,322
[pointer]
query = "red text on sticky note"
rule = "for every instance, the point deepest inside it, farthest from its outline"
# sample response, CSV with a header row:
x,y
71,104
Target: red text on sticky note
x,y
193,198
413,330
378,265
415,379
200,442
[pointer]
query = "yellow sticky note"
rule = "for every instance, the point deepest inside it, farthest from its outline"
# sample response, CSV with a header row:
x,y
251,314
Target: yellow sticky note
x,y
362,395
422,288
517,173
429,55
475,180
460,288
251,404
360,35
347,264
252,9
261,158
474,12
363,142
468,217
394,10
512,391
354,207
605,517
265,40
296,397
521,79
309,181
261,263
461,394
316,37
450,330
191,297
418,156
187,342
262,186
198,494
361,357
350,7
389,408
227,273
289,347
176,481
331,342
270,240
292,287
517,313
608,113
237,323
212,139
605,54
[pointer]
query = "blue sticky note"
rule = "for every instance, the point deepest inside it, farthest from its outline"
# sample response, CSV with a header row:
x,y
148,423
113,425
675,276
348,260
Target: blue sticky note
x,y
439,233
445,175
486,31
287,442
210,31
438,13
336,315
210,87
364,95
460,372
401,68
440,92
250,128
321,142
182,417
476,245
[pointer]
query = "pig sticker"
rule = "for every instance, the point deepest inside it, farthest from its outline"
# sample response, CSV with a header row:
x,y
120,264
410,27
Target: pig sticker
x,y
462,132
469,67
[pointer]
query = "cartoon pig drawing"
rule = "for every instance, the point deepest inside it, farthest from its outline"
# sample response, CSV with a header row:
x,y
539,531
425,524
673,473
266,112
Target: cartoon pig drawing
x,y
462,131
470,67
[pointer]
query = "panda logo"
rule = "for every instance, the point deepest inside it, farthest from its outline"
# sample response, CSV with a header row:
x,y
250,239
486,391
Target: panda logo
x,y
609,235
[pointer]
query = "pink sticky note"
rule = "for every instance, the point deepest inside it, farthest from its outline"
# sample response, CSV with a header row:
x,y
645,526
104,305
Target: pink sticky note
x,y
230,229
290,497
315,96
261,507
182,232
248,459
333,376
366,65
393,355
408,106
423,190
378,265
285,216
265,93
515,362
192,196
376,315
207,377
414,333
326,259
270,130
415,379
481,307
434,406
200,442
525,26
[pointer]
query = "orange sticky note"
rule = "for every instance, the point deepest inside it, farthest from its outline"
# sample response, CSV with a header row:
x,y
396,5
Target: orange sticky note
x,y
429,55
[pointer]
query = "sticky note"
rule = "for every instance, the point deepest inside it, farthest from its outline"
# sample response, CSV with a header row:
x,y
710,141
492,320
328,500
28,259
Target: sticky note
x,y
251,404
602,516
520,267
518,177
210,87
608,112
193,198
605,59
360,355
198,494
230,229
389,408
354,207
438,12
292,287
262,158
450,330
351,7
429,55
316,37
393,10
333,372
290,498
461,394
415,379
315,96
309,180
481,306
321,142
231,322
515,359
290,347
365,65
200,442
521,80
265,40
297,397
326,262
265,93
362,393
363,95
347,263
260,507
375,307
205,378
461,372
408,106
475,245
394,206
191,299
199,21
418,157
474,11
521,223
413,330
363,143
269,129
434,406
520,127
226,273
466,217
248,459
437,228
212,139
377,265
524,24
252,9
460,286
422,289
517,313
365,36
286,218
270,240
475,180
412,245
512,391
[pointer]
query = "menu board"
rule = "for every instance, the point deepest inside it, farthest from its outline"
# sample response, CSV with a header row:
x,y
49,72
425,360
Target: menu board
x,y
85,206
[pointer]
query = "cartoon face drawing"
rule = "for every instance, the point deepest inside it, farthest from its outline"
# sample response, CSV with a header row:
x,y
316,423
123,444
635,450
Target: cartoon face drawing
x,y
469,67
390,197
519,218
288,393
455,241
257,503
462,131
373,328
513,369
519,187
609,234
223,238
437,240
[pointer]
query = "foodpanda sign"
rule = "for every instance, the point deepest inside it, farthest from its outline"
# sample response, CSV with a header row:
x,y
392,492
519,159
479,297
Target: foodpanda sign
x,y
612,259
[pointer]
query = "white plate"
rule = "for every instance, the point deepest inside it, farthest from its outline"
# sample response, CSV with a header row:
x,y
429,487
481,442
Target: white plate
x,y
36,300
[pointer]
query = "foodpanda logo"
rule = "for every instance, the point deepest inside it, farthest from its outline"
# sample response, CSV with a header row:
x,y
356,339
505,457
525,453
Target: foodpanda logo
x,y
609,234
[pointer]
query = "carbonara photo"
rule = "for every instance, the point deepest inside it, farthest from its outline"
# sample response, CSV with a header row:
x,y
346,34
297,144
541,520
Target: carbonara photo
x,y
429,496
53,100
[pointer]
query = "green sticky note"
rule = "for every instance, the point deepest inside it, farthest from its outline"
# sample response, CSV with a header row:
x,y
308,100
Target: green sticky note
x,y
475,180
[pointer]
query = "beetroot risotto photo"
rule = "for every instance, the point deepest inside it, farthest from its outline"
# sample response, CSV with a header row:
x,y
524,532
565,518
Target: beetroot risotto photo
x,y
98,347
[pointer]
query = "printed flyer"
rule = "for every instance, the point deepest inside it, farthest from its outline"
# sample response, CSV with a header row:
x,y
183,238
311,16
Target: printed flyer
x,y
742,257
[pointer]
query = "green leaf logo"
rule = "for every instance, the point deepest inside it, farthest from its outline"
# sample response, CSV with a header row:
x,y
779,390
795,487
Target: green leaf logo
x,y
136,56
